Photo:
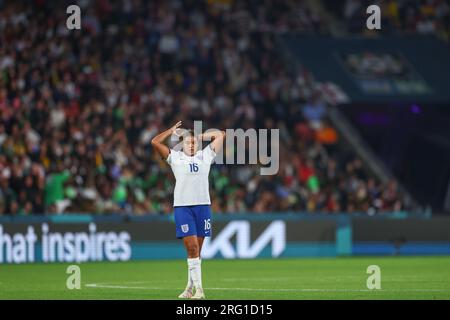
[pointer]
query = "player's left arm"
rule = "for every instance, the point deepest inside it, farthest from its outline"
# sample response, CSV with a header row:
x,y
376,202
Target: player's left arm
x,y
216,137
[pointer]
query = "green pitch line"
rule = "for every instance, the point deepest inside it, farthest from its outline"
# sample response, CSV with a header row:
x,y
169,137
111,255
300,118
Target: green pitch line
x,y
335,278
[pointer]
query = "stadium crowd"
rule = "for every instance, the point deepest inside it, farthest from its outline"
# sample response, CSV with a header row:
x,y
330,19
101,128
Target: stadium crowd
x,y
398,16
78,109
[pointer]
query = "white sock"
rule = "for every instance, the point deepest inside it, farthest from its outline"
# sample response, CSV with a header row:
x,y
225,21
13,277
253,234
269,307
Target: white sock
x,y
195,270
200,271
190,284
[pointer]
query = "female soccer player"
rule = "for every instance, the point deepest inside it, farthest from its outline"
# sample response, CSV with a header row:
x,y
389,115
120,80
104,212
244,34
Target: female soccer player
x,y
191,196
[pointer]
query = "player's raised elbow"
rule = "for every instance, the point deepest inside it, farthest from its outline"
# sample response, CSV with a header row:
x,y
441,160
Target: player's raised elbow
x,y
154,142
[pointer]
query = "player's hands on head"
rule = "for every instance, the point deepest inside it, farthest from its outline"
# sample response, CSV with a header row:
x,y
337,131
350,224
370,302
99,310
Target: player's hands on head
x,y
174,129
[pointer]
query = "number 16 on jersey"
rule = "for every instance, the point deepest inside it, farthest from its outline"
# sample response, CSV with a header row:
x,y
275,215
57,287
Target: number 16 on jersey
x,y
193,167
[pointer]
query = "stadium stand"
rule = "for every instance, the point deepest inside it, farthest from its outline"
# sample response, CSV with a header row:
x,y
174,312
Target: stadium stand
x,y
428,17
78,110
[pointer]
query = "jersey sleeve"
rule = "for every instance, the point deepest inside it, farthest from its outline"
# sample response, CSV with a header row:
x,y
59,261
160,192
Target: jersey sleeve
x,y
209,154
172,156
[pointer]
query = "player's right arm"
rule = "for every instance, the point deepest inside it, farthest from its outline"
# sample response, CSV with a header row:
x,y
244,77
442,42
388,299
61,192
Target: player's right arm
x,y
158,140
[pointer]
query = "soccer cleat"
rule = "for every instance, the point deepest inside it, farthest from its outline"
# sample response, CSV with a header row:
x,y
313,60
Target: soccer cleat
x,y
186,294
199,294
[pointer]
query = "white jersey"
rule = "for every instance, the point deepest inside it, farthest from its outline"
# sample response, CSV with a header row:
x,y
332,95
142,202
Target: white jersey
x,y
191,175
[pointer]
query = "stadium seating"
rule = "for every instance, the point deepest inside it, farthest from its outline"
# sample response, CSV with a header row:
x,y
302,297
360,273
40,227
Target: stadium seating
x,y
78,109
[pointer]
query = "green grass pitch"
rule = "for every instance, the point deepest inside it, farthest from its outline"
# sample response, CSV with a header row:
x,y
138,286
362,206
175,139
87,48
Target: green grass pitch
x,y
321,278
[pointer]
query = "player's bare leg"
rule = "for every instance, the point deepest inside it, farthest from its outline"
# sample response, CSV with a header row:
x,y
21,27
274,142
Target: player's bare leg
x,y
200,245
192,252
196,274
199,293
192,245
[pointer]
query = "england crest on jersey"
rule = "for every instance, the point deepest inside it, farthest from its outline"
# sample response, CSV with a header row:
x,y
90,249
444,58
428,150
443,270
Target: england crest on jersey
x,y
185,228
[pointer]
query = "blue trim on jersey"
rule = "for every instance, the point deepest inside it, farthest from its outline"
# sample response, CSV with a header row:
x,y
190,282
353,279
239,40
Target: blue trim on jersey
x,y
193,221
